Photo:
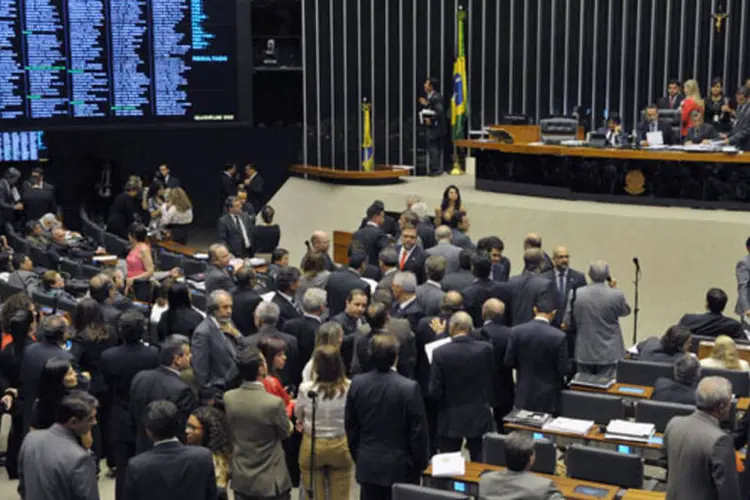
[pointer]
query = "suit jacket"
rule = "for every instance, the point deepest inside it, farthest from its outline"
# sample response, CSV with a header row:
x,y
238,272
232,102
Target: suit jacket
x,y
573,281
662,126
423,335
266,238
436,129
429,296
653,350
228,187
413,312
255,191
38,201
414,262
462,240
6,201
214,356
501,270
449,252
183,321
701,459
539,354
386,428
426,232
26,280
663,102
291,374
34,358
287,311
457,281
259,424
596,312
123,212
742,273
705,131
504,388
339,285
245,300
171,470
351,334
399,328
218,279
373,239
303,329
669,391
527,287
151,385
463,399
712,325
387,280
740,135
510,485
52,465
476,294
231,234
120,365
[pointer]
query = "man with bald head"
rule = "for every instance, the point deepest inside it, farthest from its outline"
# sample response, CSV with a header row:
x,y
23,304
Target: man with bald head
x,y
534,240
565,279
528,286
596,314
320,242
445,248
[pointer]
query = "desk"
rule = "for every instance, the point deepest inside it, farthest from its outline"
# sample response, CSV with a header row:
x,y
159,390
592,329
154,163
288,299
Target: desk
x,y
566,485
700,180
341,242
705,348
174,247
594,435
644,495
618,389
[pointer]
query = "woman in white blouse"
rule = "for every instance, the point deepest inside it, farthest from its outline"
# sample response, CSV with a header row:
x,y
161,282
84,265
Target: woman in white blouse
x,y
332,456
329,333
178,215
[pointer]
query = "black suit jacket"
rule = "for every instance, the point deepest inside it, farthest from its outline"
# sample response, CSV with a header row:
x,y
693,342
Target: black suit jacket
x,y
463,399
504,388
373,239
457,281
669,391
218,279
740,135
662,126
539,354
231,235
123,212
527,287
426,232
386,428
172,470
663,102
171,182
414,262
286,310
183,321
436,129
413,312
266,238
573,281
351,334
38,201
705,131
339,285
34,358
245,300
228,188
303,329
423,335
291,374
478,292
255,191
152,385
6,201
712,325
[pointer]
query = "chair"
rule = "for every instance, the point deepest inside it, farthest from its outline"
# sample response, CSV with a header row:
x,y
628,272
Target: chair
x,y
7,290
740,380
169,260
116,245
71,267
601,408
642,372
193,266
660,413
199,300
414,492
67,306
44,300
88,271
493,452
92,230
40,258
604,466
15,240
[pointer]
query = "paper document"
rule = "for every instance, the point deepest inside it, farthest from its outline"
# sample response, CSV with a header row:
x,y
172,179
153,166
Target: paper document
x,y
627,428
101,258
430,348
201,255
448,465
569,426
655,138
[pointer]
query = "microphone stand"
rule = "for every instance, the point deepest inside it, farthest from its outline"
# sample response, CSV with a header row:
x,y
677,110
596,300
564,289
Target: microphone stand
x,y
636,309
311,490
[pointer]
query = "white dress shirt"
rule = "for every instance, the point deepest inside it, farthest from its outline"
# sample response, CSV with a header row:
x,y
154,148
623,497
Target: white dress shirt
x,y
329,413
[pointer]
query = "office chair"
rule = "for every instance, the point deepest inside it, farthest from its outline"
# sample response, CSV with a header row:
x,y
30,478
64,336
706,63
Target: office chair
x,y
7,290
116,245
93,231
642,372
604,466
88,271
740,381
493,452
414,492
40,258
71,268
193,266
601,408
44,300
169,260
16,241
660,413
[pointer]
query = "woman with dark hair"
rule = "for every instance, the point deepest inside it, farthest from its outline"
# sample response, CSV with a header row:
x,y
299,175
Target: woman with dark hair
x,y
207,427
669,348
314,274
57,379
718,111
180,317
266,235
140,261
449,206
332,456
16,302
273,350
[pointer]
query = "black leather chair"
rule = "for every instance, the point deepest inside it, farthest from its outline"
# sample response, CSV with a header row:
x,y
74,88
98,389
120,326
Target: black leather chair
x,y
45,300
116,245
604,466
7,290
414,492
194,266
40,258
199,300
71,268
169,260
15,240
660,413
493,452
739,379
642,372
92,230
601,408
88,271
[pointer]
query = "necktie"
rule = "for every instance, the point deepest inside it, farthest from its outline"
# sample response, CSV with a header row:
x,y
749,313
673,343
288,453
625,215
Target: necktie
x,y
402,262
241,227
671,103
561,287
653,126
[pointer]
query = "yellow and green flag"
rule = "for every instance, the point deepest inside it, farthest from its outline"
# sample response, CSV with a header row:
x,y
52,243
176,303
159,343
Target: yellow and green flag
x,y
368,151
459,101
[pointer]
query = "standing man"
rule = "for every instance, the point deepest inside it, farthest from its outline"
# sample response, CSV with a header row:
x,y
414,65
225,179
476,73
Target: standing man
x,y
385,424
404,289
257,424
596,315
430,293
371,235
235,229
434,123
287,283
446,249
254,184
411,257
529,286
10,199
38,196
228,185
566,280
216,276
701,456
320,242
350,319
740,135
460,231
343,281
476,294
673,99
742,272
169,180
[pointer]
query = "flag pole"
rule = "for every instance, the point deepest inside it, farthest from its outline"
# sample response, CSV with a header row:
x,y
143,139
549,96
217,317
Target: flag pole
x,y
460,15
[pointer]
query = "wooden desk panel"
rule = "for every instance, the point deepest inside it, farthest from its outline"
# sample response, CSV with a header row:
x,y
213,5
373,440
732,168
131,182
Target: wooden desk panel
x,y
705,347
524,134
644,495
616,390
175,247
341,242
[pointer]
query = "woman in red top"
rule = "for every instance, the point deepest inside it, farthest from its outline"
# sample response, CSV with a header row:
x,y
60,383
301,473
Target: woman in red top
x,y
273,350
692,102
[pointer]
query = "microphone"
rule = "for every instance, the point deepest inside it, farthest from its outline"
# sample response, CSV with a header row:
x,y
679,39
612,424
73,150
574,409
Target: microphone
x,y
637,263
312,394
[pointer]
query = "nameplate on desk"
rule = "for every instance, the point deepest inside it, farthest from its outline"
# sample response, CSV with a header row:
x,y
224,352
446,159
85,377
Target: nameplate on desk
x,y
591,491
631,390
656,440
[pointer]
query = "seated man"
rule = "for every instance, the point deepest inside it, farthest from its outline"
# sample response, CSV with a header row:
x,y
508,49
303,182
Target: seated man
x,y
687,372
517,482
700,133
654,124
713,323
35,234
23,275
53,285
76,249
614,131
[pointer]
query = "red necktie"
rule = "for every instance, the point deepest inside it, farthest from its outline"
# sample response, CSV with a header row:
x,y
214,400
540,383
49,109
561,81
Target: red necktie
x,y
402,262
671,103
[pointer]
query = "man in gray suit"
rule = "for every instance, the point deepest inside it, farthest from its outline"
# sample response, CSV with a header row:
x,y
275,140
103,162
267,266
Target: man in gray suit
x,y
430,293
700,455
51,464
595,310
23,275
460,238
388,261
216,276
214,345
517,483
445,248
257,425
742,271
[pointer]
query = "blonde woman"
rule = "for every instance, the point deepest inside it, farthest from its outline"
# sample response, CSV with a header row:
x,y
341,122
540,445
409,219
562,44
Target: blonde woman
x,y
692,102
178,215
724,355
330,333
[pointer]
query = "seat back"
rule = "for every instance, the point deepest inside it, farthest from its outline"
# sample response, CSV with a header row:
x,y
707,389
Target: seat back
x,y
116,245
642,372
15,240
660,413
7,290
92,230
70,267
88,271
40,257
601,408
739,379
45,300
493,452
604,466
169,260
414,492
193,266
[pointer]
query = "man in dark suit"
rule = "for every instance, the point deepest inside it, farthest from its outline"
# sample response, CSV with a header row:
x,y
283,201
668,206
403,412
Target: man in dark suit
x,y
404,289
680,388
445,248
385,425
390,226
565,280
460,231
388,260
287,283
38,195
228,186
700,132
165,175
494,246
528,286
320,242
254,185
740,135
430,293
10,199
163,382
214,345
350,319
476,294
23,275
494,331
534,240
245,299
103,290
539,354
425,227
459,280
306,326
266,320
170,469
463,399
343,281
411,257
713,323
235,229
371,236
674,98
435,125
119,365
654,124
216,276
